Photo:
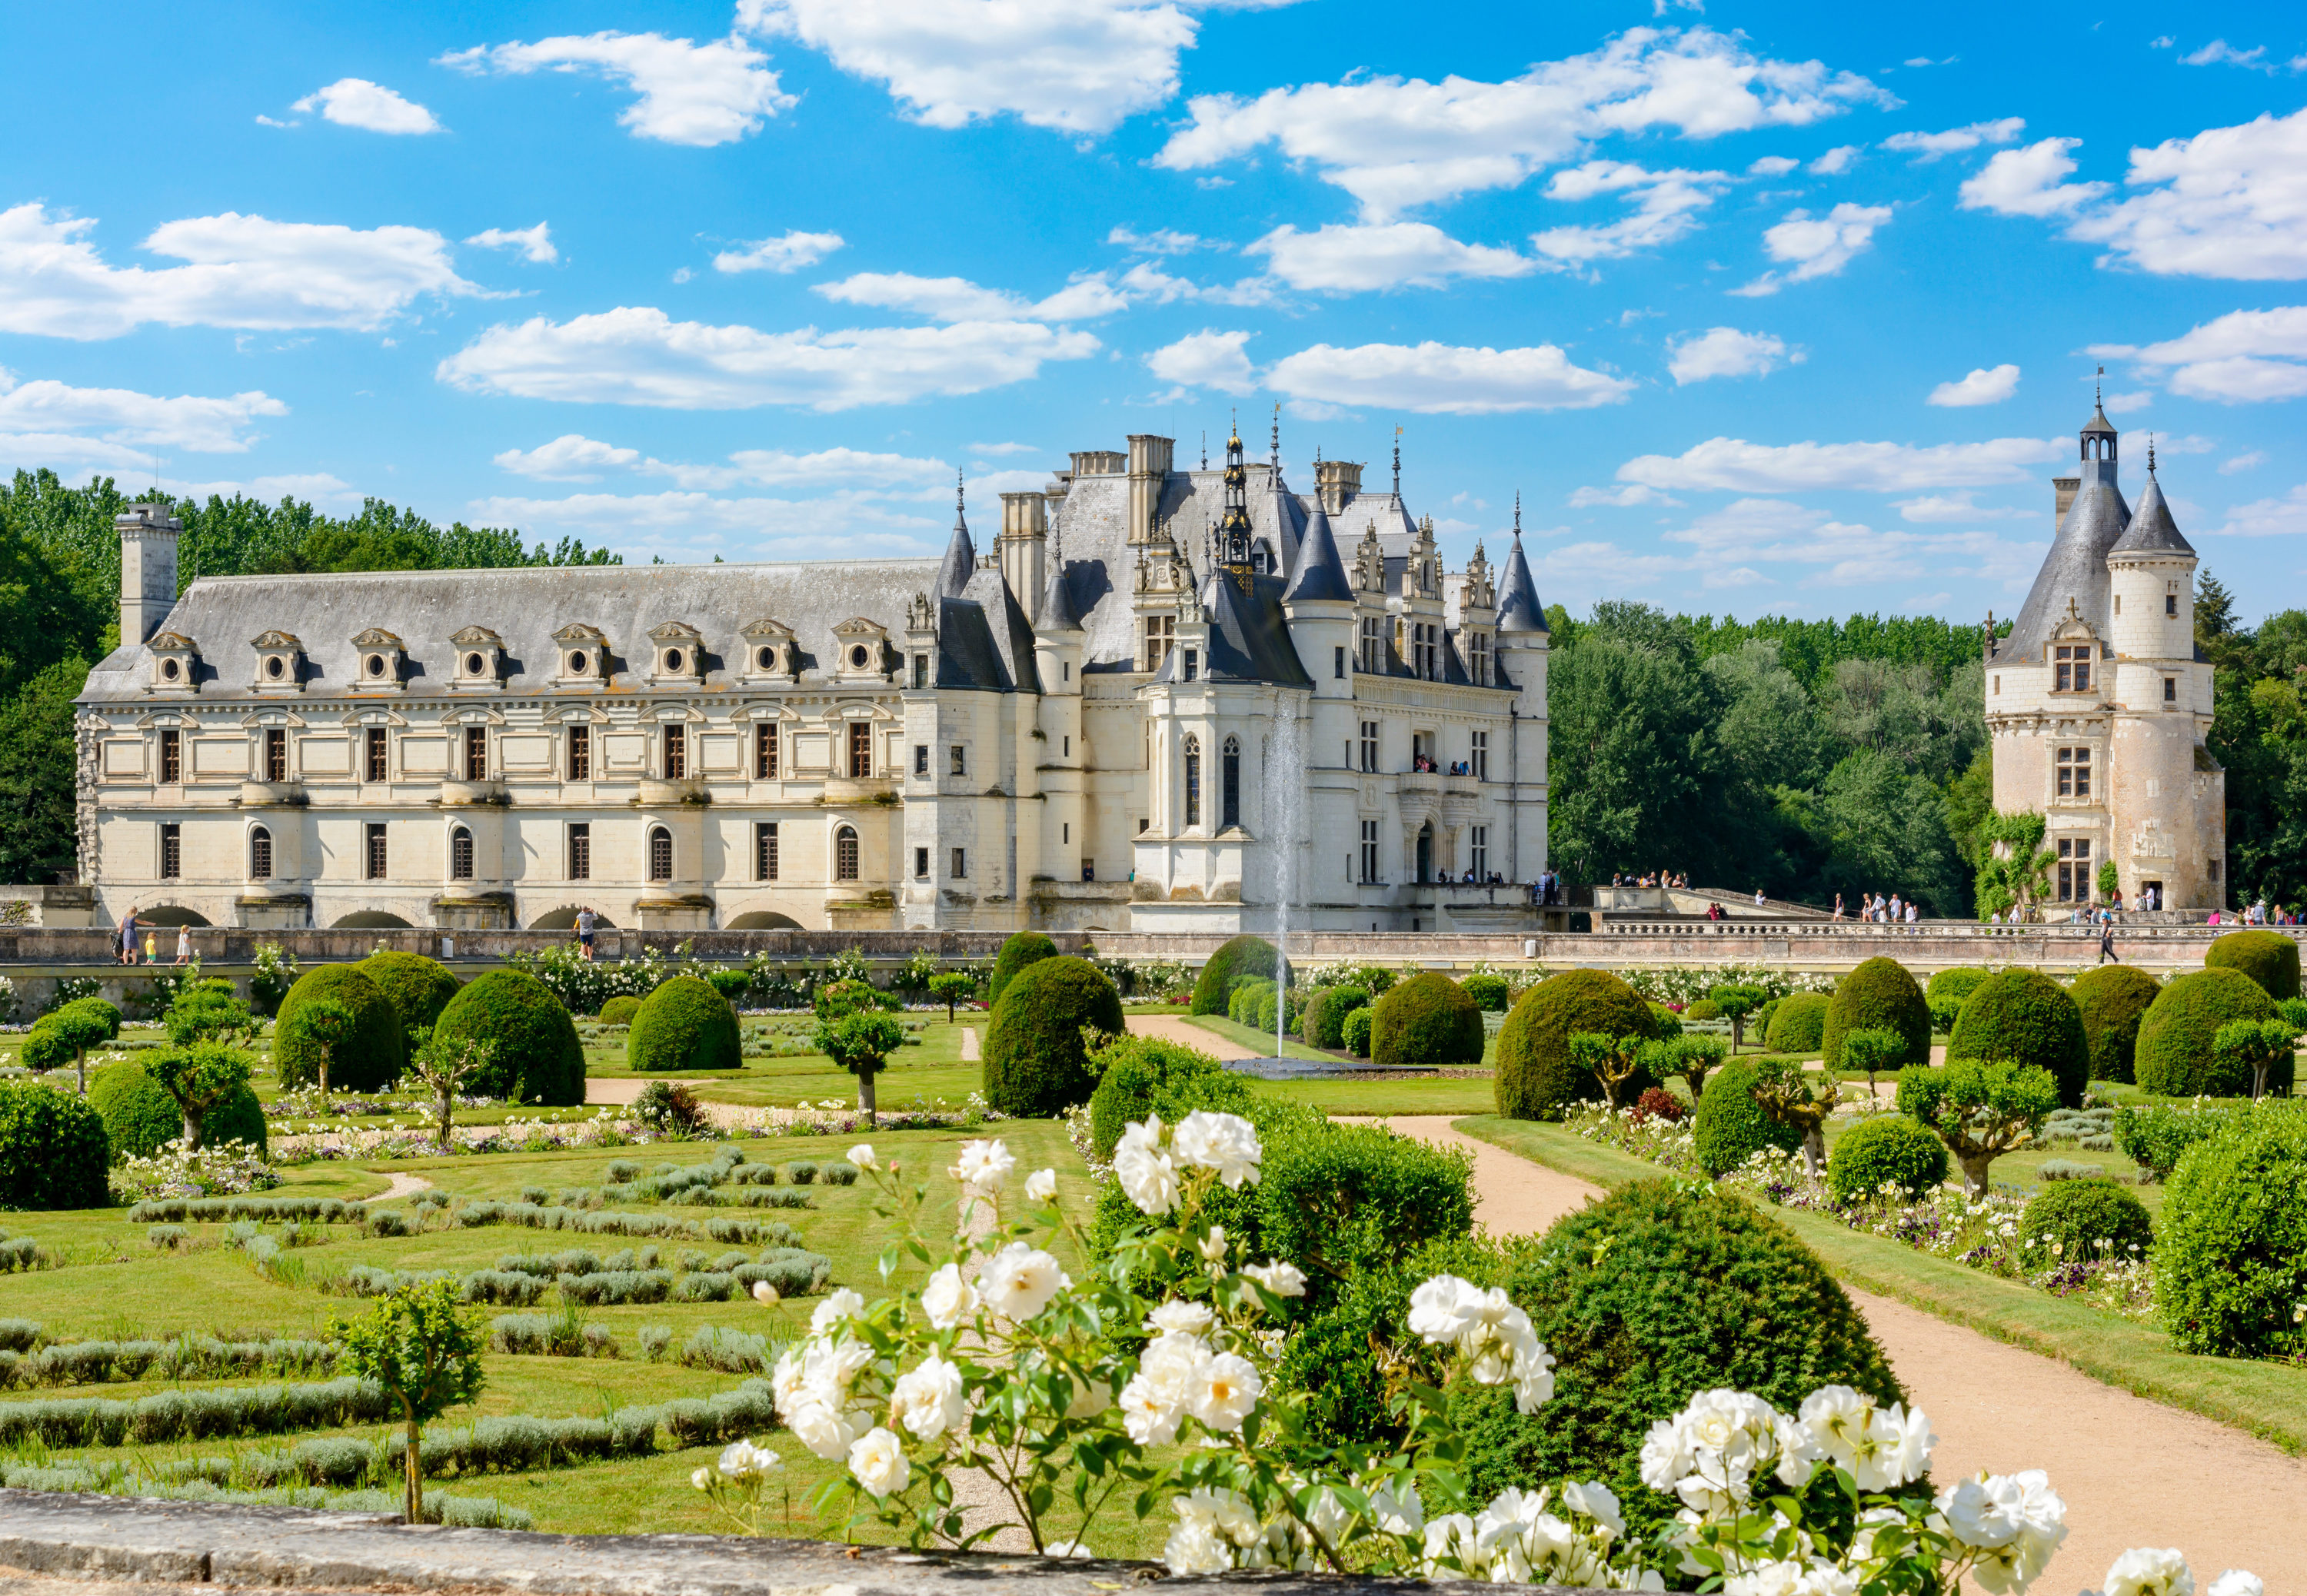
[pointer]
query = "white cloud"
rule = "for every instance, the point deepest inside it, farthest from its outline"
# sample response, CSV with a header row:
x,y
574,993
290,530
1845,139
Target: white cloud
x,y
701,95
1772,165
572,458
1345,257
2029,181
2241,463
1948,506
1726,352
576,458
1929,147
1624,498
535,244
2241,357
2183,443
2124,403
998,450
1396,143
2268,518
640,355
1820,246
1205,359
695,527
1161,241
1835,161
1983,386
1735,465
1728,543
2230,202
1433,379
788,253
1665,207
957,299
241,271
47,422
2219,53
1080,66
356,102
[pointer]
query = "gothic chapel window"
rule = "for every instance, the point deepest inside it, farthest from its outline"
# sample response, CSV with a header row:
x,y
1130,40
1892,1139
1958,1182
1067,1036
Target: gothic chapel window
x,y
1232,790
1193,780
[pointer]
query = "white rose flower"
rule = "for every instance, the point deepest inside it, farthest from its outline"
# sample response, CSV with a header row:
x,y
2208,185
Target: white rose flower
x,y
1228,1389
927,1399
2017,1521
861,1156
765,1294
1178,1317
1453,1536
2147,1571
702,1479
1225,1143
1019,1281
1042,1186
742,1460
1397,1512
2237,1582
1282,1279
842,1304
948,1298
1067,1549
1148,1413
1435,1311
985,1166
1595,1500
1091,1398
878,1461
1148,1178
1214,1245
1194,1548
825,1432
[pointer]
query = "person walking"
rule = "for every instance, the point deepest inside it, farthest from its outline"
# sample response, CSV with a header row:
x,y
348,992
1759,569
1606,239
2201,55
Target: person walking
x,y
184,945
2106,941
152,946
125,952
586,922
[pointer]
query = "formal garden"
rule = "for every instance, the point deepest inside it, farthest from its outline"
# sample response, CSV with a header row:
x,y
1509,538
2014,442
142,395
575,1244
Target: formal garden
x,y
977,1252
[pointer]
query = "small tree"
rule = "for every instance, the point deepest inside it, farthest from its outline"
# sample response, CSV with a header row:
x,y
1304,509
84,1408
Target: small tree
x,y
1736,1001
2110,881
1783,1089
1693,1056
81,1024
209,1012
1979,1108
330,1025
426,1351
2252,1046
952,985
1871,1051
198,1075
1612,1059
862,1043
445,1063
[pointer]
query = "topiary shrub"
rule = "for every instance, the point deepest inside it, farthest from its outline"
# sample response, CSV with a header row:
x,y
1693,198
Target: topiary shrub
x,y
2269,957
1956,984
1355,1034
1491,994
1139,1076
2070,1222
1885,1149
419,986
1427,1020
620,1010
1536,1078
1335,1200
1026,947
1325,1015
1035,1062
2174,1058
1241,1003
139,1115
1798,1025
684,1025
53,1152
2231,1259
1878,995
1669,1023
1243,956
369,1061
538,1058
1702,1012
2113,999
2018,1017
1731,1127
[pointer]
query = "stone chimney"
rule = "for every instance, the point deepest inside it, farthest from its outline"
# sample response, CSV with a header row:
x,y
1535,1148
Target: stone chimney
x,y
1149,469
1337,481
148,568
1099,462
1023,548
2065,489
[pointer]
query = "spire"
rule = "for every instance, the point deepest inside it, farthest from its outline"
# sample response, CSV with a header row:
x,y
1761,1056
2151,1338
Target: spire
x,y
1397,465
2150,454
1275,459
2152,530
1321,576
960,554
1519,610
1058,611
960,499
1234,535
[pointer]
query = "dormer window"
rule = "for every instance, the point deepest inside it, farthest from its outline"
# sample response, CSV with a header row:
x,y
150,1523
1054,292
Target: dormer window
x,y
2071,664
679,653
584,656
479,661
770,651
279,661
176,660
862,643
380,654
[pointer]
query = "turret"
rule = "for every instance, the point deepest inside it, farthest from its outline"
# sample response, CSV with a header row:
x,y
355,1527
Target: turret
x,y
960,554
1521,638
148,568
1319,603
2152,570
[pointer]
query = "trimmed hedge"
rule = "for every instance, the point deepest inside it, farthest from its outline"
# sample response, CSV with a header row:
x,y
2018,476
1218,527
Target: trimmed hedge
x,y
1491,994
1355,1034
1956,983
1427,1020
1878,995
2021,1017
620,1010
2175,1056
196,1415
683,1025
1885,1149
1026,947
1335,1199
2231,1262
1536,1078
538,1058
2069,1221
140,1115
1147,1075
1243,956
2269,957
53,1152
1326,1007
2113,999
1730,1126
369,1062
419,986
1036,1063
1799,1024
1669,1023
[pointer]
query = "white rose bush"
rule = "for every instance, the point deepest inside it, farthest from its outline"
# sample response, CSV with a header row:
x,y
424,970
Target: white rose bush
x,y
1147,1390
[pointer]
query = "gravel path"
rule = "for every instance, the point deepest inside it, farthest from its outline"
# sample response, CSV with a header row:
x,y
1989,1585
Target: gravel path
x,y
2133,1472
969,1052
402,1185
1177,1028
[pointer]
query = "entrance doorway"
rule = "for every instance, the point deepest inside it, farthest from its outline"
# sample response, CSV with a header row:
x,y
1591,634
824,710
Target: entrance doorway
x,y
1426,852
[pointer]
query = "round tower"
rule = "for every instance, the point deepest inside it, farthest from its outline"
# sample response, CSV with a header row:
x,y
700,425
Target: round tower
x,y
2151,568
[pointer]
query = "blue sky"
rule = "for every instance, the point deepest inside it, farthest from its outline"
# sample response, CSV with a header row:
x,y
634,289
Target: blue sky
x,y
1785,307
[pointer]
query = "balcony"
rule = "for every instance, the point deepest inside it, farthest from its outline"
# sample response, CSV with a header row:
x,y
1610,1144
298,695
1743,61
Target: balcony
x,y
466,795
271,795
861,790
658,792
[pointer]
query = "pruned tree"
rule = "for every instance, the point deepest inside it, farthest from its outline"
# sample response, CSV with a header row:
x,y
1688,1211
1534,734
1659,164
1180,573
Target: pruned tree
x,y
952,985
209,1011
198,1075
2252,1046
1783,1089
330,1025
81,1024
1736,1001
1872,1051
1981,1109
443,1064
1614,1060
425,1351
862,1043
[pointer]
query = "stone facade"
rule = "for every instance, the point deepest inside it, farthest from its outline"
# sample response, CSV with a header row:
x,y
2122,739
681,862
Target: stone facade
x,y
1099,725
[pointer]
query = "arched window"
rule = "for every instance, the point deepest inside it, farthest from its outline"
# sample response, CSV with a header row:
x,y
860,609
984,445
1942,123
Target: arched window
x,y
660,854
1193,780
460,854
1231,790
845,855
260,855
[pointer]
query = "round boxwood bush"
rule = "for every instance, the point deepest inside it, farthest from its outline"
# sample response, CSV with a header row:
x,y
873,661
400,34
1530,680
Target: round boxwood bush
x,y
1956,983
2021,1017
1034,1060
1325,1015
538,1058
1660,1291
1669,1023
2113,999
1147,1075
44,1048
2175,1056
1878,995
620,1010
1427,1020
369,1060
1536,1078
1355,1034
2071,1221
683,1025
1026,947
1241,1003
1243,956
1798,1025
1884,1149
1731,1127
419,986
2231,1262
1702,1010
1491,994
2268,956
53,1152
139,1116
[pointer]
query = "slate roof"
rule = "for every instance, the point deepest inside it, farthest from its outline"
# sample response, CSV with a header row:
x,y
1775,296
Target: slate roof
x,y
2152,530
1320,576
1249,637
2076,566
1519,610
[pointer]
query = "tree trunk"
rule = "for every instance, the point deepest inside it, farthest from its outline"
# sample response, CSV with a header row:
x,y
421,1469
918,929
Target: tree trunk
x,y
324,1072
80,1068
1974,1170
192,1131
1813,1150
447,1112
865,1105
416,1479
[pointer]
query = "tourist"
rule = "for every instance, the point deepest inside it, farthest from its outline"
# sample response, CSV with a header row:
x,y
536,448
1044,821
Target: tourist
x,y
184,945
585,921
152,946
2106,942
125,952
1837,905
1758,897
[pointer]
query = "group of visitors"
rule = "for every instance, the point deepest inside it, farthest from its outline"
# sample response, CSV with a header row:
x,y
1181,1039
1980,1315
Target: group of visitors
x,y
126,949
1548,888
1880,910
1658,878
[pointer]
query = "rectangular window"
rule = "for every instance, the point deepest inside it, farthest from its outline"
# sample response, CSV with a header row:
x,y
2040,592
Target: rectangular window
x,y
920,864
1478,763
1478,659
1369,744
460,854
580,852
276,757
2170,689
376,857
2074,772
172,757
1477,850
1369,850
2073,667
476,753
1338,662
960,864
1161,632
2171,605
376,745
960,760
1193,664
676,753
1373,649
920,670
1069,747
861,750
765,751
765,850
1066,831
580,753
172,850
660,844
921,759
2215,870
260,855
2075,870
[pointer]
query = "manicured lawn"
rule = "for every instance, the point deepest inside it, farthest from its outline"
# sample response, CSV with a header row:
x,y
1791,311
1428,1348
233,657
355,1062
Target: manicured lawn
x,y
1407,1095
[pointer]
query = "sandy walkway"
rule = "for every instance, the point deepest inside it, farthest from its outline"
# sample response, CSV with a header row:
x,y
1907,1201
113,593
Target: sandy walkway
x,y
969,1047
623,1089
2133,1473
1177,1028
402,1185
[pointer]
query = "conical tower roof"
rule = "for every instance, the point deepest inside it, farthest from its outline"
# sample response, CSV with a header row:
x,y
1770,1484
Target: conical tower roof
x,y
1519,610
1058,613
2152,530
960,554
1321,575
